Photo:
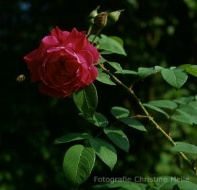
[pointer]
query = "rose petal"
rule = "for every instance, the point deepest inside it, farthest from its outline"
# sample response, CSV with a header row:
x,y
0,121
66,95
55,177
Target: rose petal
x,y
87,74
60,35
77,39
94,52
47,43
44,89
33,63
85,57
93,72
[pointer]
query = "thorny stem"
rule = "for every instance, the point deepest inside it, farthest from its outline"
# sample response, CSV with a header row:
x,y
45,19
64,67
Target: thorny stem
x,y
151,119
140,116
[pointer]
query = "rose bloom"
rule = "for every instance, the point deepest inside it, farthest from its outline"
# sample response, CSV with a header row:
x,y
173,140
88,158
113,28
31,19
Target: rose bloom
x,y
63,63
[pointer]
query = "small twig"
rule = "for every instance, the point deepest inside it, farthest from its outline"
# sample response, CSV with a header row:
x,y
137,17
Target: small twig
x,y
89,31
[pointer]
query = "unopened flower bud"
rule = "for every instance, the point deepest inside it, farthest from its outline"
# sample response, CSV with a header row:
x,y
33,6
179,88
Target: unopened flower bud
x,y
114,16
101,19
93,14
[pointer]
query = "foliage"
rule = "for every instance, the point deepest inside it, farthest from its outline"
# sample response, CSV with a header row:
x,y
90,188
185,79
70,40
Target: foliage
x,y
135,126
186,113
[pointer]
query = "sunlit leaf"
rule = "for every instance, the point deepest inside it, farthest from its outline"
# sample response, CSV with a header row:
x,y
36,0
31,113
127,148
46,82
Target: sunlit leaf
x,y
118,137
119,112
86,99
182,117
72,137
98,119
169,183
169,104
104,78
186,114
187,185
91,37
78,163
191,69
153,107
184,100
119,40
111,45
191,110
193,104
180,183
133,123
144,72
115,65
185,147
105,151
162,180
175,77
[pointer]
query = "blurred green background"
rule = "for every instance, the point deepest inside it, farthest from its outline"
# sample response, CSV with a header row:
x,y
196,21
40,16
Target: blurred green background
x,y
154,33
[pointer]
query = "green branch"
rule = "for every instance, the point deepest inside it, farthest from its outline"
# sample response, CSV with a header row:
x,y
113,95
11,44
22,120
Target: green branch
x,y
151,119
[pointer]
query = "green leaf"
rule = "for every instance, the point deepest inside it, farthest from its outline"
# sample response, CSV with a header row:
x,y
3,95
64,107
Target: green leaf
x,y
169,182
91,37
78,163
144,72
181,184
109,44
191,69
115,65
158,68
119,69
118,137
119,112
119,40
184,100
133,123
119,183
169,104
175,77
153,107
98,119
72,137
192,110
161,181
186,114
105,151
86,99
182,117
105,52
104,78
185,147
187,185
193,104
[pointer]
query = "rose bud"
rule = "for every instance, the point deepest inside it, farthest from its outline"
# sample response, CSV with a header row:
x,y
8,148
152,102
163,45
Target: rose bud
x,y
93,14
101,19
113,17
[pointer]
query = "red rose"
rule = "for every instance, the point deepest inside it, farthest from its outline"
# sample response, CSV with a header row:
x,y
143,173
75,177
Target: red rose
x,y
63,63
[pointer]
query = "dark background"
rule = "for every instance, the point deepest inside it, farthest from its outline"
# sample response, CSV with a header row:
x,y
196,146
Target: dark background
x,y
154,33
